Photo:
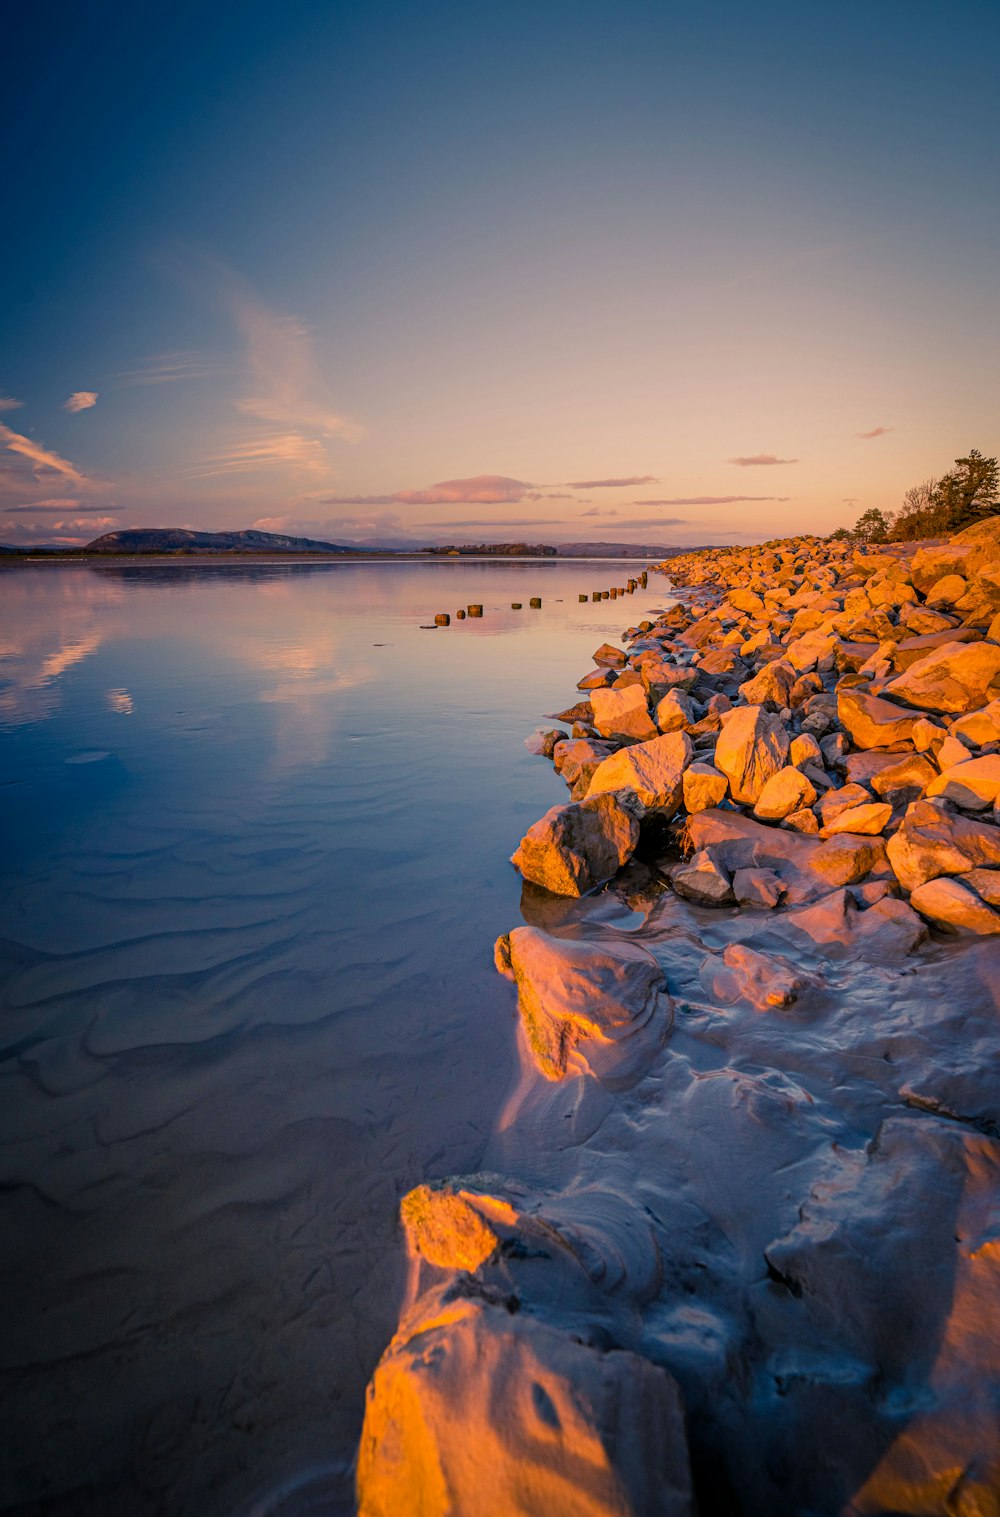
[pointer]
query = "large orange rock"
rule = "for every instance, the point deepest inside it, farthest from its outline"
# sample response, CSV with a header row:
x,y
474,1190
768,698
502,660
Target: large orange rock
x,y
575,847
932,841
479,1411
654,770
752,746
952,905
873,722
622,712
957,677
973,784
587,1007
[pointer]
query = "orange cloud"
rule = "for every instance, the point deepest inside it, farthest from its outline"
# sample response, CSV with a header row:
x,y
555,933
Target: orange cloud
x,y
480,490
760,458
706,500
287,450
41,458
875,432
8,403
81,400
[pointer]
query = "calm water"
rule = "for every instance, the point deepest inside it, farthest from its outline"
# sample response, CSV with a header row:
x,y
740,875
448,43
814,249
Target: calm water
x,y
255,826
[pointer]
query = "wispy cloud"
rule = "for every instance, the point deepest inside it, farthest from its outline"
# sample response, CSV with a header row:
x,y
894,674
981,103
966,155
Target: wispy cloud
x,y
641,523
509,521
57,505
287,450
41,459
479,490
875,432
170,368
81,400
755,460
8,403
612,484
706,500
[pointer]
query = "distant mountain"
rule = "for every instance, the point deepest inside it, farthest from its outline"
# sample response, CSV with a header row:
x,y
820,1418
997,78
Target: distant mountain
x,y
183,540
619,550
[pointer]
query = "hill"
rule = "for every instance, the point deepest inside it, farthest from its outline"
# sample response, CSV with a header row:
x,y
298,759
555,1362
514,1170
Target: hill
x,y
183,540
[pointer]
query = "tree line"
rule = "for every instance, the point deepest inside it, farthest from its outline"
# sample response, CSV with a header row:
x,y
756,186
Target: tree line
x,y
937,507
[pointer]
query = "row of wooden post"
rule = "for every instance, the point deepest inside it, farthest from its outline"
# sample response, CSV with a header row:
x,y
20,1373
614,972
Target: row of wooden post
x,y
443,618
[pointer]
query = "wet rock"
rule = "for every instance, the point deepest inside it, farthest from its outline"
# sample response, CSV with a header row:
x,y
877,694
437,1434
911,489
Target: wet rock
x,y
758,888
622,713
931,841
653,770
600,679
753,745
575,847
543,741
476,1409
950,904
747,975
597,1008
703,880
958,677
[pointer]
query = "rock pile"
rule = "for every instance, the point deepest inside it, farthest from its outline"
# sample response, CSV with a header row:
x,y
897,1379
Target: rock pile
x,y
736,1245
819,690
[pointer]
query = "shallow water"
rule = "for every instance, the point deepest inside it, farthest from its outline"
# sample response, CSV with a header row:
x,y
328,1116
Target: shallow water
x,y
255,826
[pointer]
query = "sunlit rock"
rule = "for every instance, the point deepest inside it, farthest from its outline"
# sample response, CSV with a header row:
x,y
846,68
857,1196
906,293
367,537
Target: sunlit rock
x,y
575,847
957,677
873,722
653,770
974,784
932,841
949,903
598,1008
477,1410
753,744
703,786
622,713
787,790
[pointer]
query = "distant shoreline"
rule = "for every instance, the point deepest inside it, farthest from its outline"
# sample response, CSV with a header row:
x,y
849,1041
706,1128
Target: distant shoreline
x,y
19,560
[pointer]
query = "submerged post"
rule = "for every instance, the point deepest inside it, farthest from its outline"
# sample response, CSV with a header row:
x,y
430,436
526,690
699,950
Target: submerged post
x,y
535,603
475,610
442,619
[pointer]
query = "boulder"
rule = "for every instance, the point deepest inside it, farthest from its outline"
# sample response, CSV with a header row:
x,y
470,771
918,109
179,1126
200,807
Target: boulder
x,y
577,758
746,975
752,746
950,904
867,820
872,722
575,847
446,1227
957,677
622,713
772,683
587,1007
610,656
476,1409
758,888
675,712
703,786
786,791
986,884
978,726
653,770
904,782
805,750
974,784
932,841
703,880
836,801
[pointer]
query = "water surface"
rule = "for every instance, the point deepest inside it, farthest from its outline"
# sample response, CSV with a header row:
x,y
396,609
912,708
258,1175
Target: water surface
x,y
255,823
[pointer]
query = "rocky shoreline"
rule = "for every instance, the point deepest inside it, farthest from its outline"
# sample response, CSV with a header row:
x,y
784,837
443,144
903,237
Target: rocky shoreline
x,y
736,1244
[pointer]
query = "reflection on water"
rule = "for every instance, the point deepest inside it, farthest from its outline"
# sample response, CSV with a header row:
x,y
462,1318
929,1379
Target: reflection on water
x,y
247,994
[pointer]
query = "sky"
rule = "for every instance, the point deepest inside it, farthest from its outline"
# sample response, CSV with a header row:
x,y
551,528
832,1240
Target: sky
x,y
629,271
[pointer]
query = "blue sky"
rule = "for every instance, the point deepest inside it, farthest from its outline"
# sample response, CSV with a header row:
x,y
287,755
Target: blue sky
x,y
414,269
